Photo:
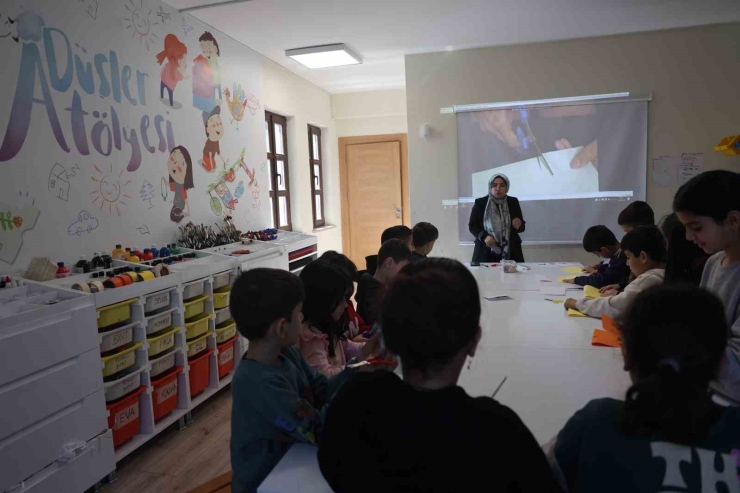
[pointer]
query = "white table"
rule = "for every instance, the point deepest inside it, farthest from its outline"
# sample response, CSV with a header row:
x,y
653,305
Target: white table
x,y
551,368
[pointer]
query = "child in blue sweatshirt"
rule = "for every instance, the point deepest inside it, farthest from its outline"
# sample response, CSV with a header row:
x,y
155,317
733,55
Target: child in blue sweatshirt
x,y
278,399
600,241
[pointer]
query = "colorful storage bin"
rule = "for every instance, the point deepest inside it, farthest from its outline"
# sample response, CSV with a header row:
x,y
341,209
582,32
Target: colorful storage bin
x,y
199,373
157,301
128,380
123,418
197,345
195,306
162,341
155,323
226,357
165,392
123,358
115,338
162,363
193,289
221,297
221,280
197,325
113,314
225,331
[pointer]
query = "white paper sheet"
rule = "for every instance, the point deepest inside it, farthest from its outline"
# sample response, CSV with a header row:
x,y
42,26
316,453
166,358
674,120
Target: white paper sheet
x,y
690,165
665,171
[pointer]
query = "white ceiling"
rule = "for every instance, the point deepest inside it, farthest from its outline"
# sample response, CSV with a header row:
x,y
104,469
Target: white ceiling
x,y
383,31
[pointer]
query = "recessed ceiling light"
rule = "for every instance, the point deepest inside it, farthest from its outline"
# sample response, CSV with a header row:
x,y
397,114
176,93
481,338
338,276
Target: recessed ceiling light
x,y
324,56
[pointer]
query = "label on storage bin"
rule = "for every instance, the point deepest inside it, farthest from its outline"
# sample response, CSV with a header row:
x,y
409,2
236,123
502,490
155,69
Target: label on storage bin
x,y
226,356
165,392
124,337
130,384
167,341
160,323
125,416
199,346
121,362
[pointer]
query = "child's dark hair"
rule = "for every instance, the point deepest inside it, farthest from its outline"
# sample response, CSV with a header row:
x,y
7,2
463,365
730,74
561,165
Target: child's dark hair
x,y
344,263
646,239
261,296
206,36
713,194
207,116
189,170
400,232
684,259
424,233
674,337
430,311
638,213
597,237
396,249
326,287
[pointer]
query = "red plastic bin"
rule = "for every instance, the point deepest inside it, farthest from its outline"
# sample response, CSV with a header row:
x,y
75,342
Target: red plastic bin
x,y
164,396
123,417
226,357
200,372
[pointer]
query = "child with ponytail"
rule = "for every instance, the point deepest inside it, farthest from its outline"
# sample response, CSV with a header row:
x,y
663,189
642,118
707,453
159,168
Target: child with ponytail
x,y
669,434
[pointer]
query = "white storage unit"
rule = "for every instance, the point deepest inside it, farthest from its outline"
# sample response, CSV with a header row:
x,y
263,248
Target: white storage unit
x,y
261,254
52,392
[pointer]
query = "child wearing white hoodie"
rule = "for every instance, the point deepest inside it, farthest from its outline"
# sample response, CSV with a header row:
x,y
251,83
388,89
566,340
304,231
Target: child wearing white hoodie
x,y
644,248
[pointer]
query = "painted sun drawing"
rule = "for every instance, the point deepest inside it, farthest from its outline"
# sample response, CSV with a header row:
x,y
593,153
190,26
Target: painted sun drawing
x,y
140,20
110,190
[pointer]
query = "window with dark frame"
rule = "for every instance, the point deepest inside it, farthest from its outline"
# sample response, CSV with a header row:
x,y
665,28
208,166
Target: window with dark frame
x,y
317,174
276,133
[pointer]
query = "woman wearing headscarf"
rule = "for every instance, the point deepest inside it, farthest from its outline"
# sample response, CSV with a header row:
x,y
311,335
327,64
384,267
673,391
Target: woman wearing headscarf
x,y
496,221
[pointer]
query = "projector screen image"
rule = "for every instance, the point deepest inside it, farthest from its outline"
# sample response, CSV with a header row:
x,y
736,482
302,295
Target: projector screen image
x,y
571,167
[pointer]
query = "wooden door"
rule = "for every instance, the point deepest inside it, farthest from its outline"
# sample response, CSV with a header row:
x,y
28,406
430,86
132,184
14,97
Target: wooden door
x,y
374,195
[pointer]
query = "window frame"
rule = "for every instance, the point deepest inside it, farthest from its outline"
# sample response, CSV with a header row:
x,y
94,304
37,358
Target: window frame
x,y
273,119
313,130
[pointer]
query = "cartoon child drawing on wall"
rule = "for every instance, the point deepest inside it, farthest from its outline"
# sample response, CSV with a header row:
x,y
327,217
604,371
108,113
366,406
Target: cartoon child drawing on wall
x,y
174,70
203,92
180,168
210,49
215,132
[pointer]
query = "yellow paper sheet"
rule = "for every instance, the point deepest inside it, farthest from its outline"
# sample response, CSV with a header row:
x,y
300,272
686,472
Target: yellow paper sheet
x,y
563,278
572,270
591,292
575,313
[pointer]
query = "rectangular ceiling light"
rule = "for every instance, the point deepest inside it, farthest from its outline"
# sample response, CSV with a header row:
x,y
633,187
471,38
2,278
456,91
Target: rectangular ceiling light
x,y
324,56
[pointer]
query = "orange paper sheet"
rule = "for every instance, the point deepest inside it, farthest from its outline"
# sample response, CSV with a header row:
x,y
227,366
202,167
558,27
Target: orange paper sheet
x,y
610,325
605,339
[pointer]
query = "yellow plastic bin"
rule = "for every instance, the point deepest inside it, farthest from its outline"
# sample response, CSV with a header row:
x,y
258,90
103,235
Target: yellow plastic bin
x,y
120,360
197,345
225,331
113,314
195,306
197,325
221,297
162,341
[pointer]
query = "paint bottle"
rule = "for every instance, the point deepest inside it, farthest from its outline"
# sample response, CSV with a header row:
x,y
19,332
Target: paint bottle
x,y
136,251
119,253
147,256
82,266
155,251
164,252
96,263
107,260
62,271
132,257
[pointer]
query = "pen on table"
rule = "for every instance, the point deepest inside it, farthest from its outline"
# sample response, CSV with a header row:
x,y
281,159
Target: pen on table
x,y
499,386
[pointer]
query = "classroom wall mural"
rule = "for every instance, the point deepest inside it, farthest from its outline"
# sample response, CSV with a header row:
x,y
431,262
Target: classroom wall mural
x,y
122,120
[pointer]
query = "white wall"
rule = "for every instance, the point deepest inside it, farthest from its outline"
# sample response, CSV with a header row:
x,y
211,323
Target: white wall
x,y
370,113
302,103
693,73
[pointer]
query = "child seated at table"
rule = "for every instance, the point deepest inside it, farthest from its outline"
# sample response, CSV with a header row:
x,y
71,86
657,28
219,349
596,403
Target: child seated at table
x,y
392,257
644,248
278,399
637,214
424,433
684,260
669,434
354,325
600,241
424,237
400,232
322,341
